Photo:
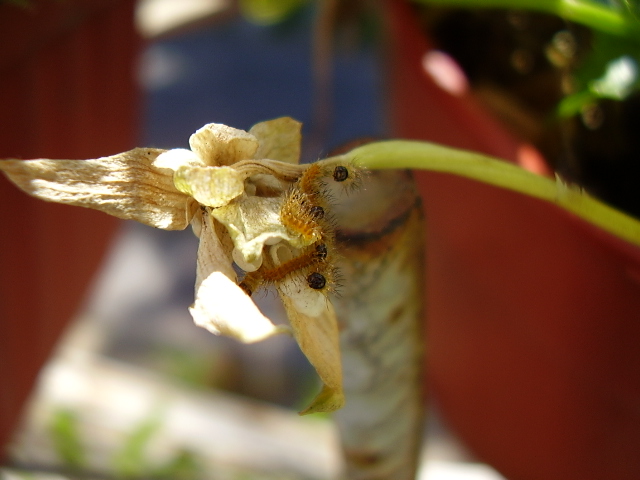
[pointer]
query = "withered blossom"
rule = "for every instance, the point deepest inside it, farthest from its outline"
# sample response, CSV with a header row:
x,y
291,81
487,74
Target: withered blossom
x,y
230,186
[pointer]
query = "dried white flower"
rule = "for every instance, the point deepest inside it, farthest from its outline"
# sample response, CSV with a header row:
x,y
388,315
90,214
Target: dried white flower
x,y
230,186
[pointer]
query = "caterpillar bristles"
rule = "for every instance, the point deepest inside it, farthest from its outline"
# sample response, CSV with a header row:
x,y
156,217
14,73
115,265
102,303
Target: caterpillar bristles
x,y
347,175
311,182
310,258
318,175
302,217
315,259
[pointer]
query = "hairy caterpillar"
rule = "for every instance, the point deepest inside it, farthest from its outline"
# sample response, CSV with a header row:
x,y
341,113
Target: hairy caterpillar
x,y
312,265
305,212
304,205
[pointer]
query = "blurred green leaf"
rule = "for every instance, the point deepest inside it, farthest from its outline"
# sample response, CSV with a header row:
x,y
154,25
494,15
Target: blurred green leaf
x,y
604,16
632,8
604,49
183,466
189,367
130,461
63,430
267,12
573,104
609,71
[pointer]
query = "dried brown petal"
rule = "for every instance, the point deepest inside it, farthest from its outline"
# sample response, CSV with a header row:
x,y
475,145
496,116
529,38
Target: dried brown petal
x,y
318,338
218,145
126,185
279,139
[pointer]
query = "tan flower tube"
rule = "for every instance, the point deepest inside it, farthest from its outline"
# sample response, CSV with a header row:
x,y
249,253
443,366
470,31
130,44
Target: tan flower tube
x,y
379,233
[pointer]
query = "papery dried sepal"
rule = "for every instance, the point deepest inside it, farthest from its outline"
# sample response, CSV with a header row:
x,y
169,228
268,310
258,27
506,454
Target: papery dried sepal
x,y
279,139
126,185
318,338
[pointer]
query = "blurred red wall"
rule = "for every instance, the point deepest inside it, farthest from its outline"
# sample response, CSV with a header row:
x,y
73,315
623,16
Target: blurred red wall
x,y
67,90
533,316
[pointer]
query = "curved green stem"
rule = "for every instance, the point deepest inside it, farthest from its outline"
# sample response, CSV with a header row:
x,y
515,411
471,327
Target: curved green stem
x,y
428,156
585,12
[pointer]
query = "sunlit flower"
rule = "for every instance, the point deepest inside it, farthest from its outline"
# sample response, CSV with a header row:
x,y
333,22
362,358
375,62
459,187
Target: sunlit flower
x,y
230,186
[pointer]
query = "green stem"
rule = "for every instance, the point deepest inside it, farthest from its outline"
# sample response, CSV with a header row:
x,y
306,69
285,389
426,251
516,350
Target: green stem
x,y
428,156
585,12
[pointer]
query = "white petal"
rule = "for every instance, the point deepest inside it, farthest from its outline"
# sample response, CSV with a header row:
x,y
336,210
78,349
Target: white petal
x,y
212,256
241,261
176,158
224,309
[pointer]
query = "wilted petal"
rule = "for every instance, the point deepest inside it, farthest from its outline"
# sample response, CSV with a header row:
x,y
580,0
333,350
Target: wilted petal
x,y
211,186
318,338
218,144
126,185
252,223
224,309
279,139
212,255
221,306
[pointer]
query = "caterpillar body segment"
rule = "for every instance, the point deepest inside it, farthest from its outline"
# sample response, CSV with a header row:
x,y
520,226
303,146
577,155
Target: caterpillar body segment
x,y
312,183
302,217
312,266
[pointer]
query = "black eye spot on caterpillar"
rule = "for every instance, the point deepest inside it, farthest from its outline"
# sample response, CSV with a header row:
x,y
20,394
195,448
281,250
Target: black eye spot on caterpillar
x,y
312,260
347,176
321,251
317,212
340,173
316,281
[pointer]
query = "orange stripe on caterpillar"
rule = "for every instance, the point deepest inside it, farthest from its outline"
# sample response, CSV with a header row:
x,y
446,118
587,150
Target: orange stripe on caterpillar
x,y
311,181
303,218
